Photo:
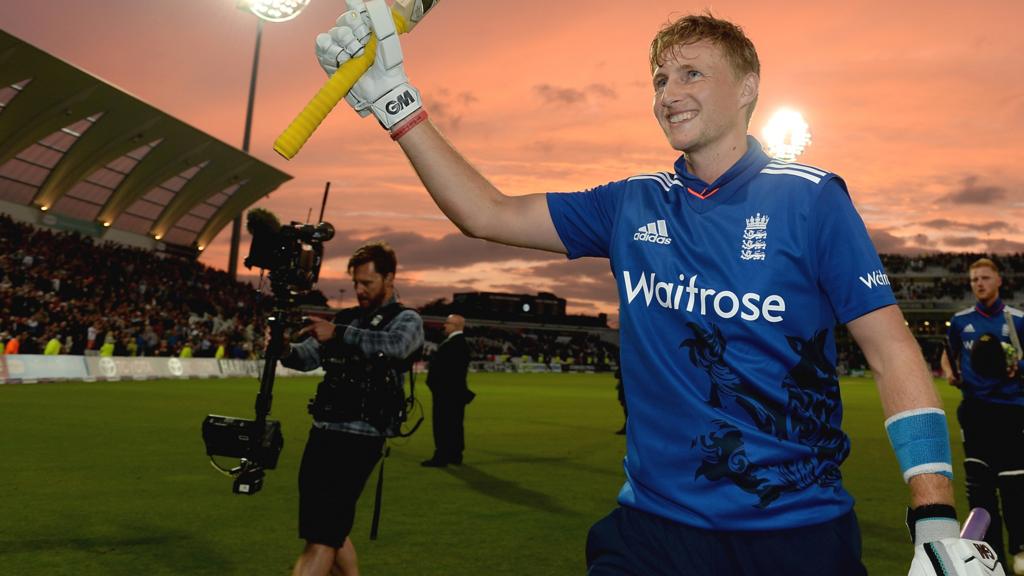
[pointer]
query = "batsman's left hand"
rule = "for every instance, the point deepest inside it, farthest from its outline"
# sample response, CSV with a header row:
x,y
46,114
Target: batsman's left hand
x,y
940,549
955,556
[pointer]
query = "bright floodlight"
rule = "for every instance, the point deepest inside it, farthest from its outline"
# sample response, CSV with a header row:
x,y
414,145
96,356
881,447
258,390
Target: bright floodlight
x,y
275,10
786,135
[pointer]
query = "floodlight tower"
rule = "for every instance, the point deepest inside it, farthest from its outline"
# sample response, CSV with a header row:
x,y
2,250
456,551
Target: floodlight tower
x,y
786,135
269,11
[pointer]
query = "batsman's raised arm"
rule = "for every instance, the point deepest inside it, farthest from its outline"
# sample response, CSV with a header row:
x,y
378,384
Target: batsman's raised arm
x,y
463,194
473,203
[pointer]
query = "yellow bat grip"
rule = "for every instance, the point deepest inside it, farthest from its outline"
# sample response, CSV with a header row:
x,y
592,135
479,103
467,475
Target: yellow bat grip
x,y
298,132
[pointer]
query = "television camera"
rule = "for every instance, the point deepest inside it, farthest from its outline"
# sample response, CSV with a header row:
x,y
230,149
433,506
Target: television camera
x,y
292,255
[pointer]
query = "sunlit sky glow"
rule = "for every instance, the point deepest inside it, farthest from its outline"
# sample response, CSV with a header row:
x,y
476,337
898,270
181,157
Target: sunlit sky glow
x,y
920,109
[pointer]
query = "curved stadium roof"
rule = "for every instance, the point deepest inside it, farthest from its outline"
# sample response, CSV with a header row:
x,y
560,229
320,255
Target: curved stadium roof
x,y
91,156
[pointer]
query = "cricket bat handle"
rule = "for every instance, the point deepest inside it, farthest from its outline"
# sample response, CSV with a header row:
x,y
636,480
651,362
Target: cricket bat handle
x,y
976,524
308,120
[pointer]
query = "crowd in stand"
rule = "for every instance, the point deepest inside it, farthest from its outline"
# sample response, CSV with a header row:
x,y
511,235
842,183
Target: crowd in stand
x,y
944,276
63,293
951,262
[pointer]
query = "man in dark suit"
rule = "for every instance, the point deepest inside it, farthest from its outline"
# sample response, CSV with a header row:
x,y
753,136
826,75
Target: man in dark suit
x,y
447,382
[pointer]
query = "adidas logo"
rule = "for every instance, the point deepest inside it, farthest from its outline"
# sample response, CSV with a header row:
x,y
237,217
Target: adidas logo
x,y
655,232
969,328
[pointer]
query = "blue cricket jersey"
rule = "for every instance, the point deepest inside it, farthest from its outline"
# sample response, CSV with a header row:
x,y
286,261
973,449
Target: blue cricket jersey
x,y
729,295
965,328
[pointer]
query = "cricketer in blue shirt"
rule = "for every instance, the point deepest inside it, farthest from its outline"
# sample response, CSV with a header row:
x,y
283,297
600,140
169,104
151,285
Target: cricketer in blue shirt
x,y
991,415
728,308
732,272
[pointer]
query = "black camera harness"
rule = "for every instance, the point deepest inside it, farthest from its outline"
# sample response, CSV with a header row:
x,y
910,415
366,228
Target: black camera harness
x,y
357,388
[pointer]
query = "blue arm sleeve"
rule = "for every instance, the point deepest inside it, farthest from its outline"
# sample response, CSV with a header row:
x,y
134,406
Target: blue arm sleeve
x,y
849,270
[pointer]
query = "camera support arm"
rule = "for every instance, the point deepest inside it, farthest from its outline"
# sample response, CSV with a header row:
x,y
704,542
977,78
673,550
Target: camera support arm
x,y
249,475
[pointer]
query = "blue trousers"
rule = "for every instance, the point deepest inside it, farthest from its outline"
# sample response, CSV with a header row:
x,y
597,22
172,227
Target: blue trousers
x,y
631,542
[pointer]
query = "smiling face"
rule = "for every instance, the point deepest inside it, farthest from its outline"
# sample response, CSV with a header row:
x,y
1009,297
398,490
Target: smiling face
x,y
699,100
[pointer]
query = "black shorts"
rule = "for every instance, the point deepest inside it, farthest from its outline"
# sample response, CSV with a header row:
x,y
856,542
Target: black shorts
x,y
335,466
632,542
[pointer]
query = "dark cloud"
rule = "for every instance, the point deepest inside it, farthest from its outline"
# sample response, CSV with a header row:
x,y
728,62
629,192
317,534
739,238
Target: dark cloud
x,y
962,241
971,192
1004,246
560,95
417,252
888,243
447,109
586,279
946,224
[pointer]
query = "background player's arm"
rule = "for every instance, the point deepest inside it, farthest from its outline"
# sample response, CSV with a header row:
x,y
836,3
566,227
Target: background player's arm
x,y
471,202
904,383
946,363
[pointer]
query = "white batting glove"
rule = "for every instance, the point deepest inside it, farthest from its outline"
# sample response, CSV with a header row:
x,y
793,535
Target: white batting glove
x,y
346,40
385,85
384,89
955,556
940,551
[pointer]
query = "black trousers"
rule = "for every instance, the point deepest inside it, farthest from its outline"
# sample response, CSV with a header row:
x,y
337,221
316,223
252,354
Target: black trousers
x,y
334,469
994,466
449,412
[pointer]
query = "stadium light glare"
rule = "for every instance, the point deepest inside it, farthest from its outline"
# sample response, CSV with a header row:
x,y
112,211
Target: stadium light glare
x,y
274,10
786,135
106,224
44,208
270,11
157,236
201,248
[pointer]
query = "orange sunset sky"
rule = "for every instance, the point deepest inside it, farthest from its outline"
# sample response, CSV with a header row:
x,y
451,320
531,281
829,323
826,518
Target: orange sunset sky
x,y
918,105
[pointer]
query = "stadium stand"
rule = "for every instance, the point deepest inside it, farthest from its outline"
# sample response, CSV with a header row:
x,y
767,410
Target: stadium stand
x,y
87,293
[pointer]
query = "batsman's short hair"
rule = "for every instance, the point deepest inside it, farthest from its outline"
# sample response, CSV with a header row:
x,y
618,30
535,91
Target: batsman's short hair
x,y
729,37
380,253
984,263
694,28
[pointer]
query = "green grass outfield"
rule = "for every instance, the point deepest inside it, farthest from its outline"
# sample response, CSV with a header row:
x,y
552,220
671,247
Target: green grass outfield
x,y
111,478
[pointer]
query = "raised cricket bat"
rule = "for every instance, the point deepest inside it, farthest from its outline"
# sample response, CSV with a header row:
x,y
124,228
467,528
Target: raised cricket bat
x,y
298,132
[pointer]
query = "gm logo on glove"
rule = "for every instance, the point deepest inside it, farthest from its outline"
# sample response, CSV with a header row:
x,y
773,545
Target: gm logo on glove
x,y
401,101
398,104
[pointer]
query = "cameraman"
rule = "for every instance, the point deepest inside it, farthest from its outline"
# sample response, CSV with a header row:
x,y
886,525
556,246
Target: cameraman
x,y
364,352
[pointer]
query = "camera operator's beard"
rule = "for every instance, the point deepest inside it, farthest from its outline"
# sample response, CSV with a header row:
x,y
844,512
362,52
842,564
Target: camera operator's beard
x,y
372,301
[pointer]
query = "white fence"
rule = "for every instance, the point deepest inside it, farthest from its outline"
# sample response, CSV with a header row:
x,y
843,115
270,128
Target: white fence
x,y
17,368
27,368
